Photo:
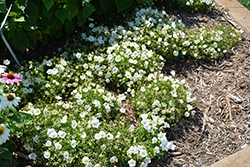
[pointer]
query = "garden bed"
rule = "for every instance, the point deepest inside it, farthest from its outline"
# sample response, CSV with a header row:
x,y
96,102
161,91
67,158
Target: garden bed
x,y
220,127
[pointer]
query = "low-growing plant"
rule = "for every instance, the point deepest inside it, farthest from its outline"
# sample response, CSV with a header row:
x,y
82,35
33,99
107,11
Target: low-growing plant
x,y
163,96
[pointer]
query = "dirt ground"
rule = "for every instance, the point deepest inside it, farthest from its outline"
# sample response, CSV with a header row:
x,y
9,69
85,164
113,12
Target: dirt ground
x,y
221,125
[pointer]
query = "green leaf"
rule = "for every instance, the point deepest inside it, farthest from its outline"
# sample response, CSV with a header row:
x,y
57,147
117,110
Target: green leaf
x,y
30,25
72,9
63,1
32,10
20,40
70,26
3,8
123,4
106,4
98,7
88,9
61,15
10,144
49,13
4,153
23,4
82,16
19,19
48,4
147,2
81,19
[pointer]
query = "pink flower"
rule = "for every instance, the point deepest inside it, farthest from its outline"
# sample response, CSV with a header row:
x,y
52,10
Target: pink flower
x,y
11,78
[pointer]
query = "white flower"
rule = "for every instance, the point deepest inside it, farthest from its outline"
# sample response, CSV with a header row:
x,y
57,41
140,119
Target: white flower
x,y
83,135
85,160
68,159
48,143
6,62
176,53
36,139
10,100
58,146
102,134
53,134
193,112
143,153
46,154
147,160
154,140
78,55
97,136
162,136
143,89
189,107
66,154
32,156
187,114
132,163
64,119
113,159
95,123
172,73
4,134
36,111
61,134
73,143
74,124
122,110
2,69
110,136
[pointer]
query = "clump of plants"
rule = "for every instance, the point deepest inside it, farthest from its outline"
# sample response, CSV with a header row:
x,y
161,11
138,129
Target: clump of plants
x,y
75,117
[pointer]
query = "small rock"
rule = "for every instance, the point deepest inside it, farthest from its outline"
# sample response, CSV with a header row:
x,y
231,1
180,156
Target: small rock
x,y
231,135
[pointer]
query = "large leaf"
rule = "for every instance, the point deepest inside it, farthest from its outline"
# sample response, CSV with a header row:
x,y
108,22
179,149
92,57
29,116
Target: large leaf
x,y
49,13
32,10
61,15
82,16
3,6
123,4
88,9
70,26
106,4
72,9
98,7
30,25
20,40
23,4
48,4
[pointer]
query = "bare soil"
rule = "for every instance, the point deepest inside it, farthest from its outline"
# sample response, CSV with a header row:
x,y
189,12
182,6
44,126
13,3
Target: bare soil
x,y
221,125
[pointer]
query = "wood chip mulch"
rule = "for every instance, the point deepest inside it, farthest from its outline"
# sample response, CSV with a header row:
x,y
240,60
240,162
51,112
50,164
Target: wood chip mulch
x,y
221,125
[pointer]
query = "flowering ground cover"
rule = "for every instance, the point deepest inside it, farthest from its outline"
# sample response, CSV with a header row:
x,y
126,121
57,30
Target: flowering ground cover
x,y
74,117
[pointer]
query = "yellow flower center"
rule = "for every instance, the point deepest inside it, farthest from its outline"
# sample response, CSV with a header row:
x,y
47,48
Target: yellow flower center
x,y
10,76
1,130
10,97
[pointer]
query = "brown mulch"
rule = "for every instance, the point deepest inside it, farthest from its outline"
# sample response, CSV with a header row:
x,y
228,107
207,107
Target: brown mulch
x,y
221,125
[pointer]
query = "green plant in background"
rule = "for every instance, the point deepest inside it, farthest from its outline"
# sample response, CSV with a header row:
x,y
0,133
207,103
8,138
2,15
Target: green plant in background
x,y
31,21
245,3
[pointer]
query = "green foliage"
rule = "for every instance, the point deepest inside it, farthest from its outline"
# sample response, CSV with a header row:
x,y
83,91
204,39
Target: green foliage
x,y
245,3
48,17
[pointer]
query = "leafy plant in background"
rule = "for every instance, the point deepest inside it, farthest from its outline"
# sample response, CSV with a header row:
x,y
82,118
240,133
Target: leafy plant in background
x,y
31,21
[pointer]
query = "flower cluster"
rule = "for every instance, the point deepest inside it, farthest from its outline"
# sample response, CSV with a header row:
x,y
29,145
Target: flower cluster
x,y
80,119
